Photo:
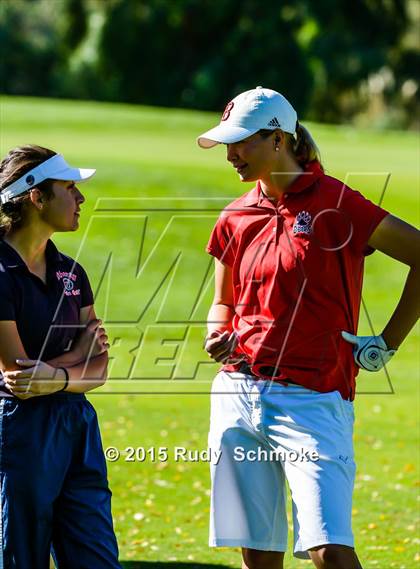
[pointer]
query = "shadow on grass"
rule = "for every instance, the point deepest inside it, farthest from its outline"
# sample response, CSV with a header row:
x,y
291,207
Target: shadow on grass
x,y
169,565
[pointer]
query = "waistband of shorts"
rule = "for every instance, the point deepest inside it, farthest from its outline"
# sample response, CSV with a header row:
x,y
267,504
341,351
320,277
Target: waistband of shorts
x,y
63,396
265,373
59,396
246,370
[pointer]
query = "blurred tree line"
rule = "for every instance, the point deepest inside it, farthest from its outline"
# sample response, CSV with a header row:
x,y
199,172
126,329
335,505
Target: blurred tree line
x,y
337,60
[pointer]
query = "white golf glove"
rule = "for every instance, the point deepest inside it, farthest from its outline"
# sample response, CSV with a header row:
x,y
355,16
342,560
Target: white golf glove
x,y
370,352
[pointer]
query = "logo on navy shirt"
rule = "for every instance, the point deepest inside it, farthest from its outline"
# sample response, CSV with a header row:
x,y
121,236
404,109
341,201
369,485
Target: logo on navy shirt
x,y
302,223
68,280
68,284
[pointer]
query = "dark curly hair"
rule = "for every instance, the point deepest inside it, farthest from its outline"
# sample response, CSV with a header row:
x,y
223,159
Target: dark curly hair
x,y
17,162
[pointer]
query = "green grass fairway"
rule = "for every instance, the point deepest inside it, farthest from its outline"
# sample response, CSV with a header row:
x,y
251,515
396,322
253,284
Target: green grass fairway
x,y
144,225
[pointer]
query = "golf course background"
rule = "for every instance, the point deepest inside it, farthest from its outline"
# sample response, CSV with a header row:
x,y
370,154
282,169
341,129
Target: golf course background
x,y
143,230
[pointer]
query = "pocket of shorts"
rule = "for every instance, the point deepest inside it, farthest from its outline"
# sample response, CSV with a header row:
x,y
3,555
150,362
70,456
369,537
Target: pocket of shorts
x,y
217,382
346,406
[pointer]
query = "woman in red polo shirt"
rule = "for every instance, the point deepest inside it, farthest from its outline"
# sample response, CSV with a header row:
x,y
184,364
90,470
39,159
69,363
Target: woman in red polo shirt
x,y
289,260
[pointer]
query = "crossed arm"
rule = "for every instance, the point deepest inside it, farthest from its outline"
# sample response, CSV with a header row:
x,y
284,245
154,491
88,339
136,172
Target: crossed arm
x,y
86,362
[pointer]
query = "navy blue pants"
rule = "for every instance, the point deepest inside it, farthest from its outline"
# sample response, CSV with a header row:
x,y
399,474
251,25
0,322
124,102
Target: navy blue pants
x,y
54,488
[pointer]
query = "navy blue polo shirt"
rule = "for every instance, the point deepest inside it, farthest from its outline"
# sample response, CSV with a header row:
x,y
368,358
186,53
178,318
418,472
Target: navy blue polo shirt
x,y
46,315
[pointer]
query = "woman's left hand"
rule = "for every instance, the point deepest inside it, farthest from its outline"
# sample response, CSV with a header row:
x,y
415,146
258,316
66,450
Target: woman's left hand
x,y
37,379
370,352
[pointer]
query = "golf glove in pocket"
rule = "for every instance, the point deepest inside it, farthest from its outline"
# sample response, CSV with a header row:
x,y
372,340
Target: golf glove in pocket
x,y
370,352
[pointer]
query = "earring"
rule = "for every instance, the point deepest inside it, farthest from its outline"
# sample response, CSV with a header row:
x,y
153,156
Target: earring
x,y
277,148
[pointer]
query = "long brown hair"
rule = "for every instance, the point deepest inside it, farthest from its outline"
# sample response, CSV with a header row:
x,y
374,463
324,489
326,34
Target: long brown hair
x,y
303,147
17,162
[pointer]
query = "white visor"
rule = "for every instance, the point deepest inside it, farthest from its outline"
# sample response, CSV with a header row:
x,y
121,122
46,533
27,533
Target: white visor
x,y
55,168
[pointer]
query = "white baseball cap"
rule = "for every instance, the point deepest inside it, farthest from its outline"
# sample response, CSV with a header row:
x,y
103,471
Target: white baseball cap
x,y
248,113
55,168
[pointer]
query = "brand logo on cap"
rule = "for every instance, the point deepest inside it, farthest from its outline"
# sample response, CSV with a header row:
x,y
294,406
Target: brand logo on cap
x,y
29,180
274,122
226,112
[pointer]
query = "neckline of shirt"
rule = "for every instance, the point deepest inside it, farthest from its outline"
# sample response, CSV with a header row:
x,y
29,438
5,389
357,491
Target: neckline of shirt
x,y
306,179
12,260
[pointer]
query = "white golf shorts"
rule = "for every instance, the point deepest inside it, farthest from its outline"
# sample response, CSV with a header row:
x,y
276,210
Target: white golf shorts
x,y
263,433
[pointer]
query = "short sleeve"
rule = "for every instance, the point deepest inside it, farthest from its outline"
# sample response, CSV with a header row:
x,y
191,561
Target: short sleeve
x,y
365,216
220,244
7,296
85,289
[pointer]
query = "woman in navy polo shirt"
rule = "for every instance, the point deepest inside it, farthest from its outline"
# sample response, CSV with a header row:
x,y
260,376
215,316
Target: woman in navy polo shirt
x,y
54,489
289,259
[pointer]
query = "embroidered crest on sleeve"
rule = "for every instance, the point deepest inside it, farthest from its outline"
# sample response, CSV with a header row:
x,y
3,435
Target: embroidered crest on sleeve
x,y
302,223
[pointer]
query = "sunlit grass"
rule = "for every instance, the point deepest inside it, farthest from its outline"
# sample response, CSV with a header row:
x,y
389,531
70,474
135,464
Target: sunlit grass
x,y
161,508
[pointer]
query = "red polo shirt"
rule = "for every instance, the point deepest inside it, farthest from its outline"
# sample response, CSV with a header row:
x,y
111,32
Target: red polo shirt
x,y
297,270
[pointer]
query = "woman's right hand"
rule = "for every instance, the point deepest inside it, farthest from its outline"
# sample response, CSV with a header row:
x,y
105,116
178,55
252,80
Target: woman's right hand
x,y
220,346
92,341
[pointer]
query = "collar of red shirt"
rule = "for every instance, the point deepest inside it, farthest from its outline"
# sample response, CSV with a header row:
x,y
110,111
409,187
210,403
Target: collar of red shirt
x,y
312,172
